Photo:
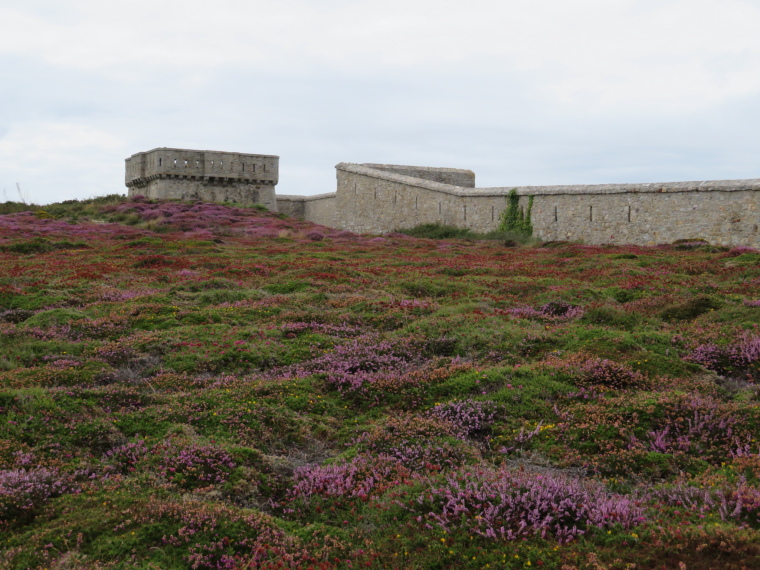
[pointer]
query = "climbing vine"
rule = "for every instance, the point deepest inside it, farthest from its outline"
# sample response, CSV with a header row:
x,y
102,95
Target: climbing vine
x,y
513,218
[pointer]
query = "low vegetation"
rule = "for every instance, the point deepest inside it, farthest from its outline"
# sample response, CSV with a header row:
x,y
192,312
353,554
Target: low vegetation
x,y
189,385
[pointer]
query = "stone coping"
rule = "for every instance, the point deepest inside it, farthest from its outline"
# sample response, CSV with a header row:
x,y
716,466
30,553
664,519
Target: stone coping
x,y
198,150
297,198
392,167
643,188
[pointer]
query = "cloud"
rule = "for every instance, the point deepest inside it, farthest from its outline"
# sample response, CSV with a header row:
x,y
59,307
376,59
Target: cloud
x,y
42,157
524,91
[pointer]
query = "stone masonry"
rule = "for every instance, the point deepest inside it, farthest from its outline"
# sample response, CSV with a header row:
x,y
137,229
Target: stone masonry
x,y
183,174
383,198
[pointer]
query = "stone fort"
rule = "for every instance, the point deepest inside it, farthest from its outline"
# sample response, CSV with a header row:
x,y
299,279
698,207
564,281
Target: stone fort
x,y
381,198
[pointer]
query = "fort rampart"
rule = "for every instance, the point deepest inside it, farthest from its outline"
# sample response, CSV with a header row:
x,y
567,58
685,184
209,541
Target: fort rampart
x,y
382,198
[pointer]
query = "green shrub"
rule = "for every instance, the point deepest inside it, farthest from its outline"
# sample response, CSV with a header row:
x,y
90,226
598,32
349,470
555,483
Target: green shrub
x,y
54,317
691,309
611,317
286,288
437,231
510,238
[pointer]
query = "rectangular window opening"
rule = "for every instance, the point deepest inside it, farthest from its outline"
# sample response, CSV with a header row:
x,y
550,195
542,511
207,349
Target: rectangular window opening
x,y
629,213
415,202
590,213
465,213
555,213
493,213
160,161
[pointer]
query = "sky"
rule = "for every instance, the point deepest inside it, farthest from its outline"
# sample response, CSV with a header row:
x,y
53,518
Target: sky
x,y
523,92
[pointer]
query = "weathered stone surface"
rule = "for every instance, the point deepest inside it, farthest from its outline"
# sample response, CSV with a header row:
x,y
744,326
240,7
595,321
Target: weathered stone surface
x,y
319,209
453,176
378,200
184,174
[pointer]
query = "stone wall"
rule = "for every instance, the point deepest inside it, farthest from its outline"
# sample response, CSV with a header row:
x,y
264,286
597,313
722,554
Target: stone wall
x,y
188,189
184,174
320,209
373,200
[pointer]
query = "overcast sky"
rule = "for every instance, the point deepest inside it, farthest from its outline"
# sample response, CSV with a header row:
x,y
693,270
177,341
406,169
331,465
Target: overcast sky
x,y
524,92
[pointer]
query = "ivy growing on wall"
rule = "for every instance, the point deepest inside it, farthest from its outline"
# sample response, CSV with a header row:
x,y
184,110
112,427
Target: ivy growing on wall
x,y
514,219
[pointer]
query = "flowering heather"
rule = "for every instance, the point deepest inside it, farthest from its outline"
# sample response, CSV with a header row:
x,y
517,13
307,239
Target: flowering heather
x,y
196,465
552,311
126,457
343,331
114,353
588,371
24,490
420,443
365,475
502,504
116,295
218,536
359,363
737,501
469,417
741,356
696,425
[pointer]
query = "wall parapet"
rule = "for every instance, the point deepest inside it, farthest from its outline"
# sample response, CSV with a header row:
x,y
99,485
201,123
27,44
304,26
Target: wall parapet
x,y
452,176
628,188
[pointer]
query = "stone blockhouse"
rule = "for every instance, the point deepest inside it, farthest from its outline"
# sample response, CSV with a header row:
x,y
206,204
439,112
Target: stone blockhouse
x,y
174,173
382,198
